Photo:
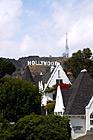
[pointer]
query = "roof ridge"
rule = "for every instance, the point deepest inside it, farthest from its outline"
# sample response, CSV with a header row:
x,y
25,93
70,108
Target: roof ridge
x,y
27,75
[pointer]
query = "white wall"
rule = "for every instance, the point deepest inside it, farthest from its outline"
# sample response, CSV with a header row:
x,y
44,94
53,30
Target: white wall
x,y
89,110
45,98
78,125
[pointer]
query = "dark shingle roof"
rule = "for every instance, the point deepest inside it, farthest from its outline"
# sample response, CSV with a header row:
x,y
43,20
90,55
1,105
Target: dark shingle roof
x,y
80,94
65,95
37,78
44,78
27,76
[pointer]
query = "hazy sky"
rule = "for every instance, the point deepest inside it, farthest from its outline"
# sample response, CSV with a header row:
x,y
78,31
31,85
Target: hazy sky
x,y
38,27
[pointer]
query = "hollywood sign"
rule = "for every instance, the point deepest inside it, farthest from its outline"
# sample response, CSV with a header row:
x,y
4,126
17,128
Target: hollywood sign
x,y
48,63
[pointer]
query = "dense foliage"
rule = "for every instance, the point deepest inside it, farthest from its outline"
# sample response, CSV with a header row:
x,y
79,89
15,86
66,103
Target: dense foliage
x,y
54,87
18,98
4,124
79,60
37,127
6,67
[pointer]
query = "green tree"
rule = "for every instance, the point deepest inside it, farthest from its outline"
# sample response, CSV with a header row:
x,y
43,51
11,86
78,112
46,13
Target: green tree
x,y
18,98
37,127
6,67
79,60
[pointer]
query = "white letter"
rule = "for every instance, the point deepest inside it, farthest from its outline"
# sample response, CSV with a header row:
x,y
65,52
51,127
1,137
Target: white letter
x,y
29,62
52,63
45,63
48,63
33,62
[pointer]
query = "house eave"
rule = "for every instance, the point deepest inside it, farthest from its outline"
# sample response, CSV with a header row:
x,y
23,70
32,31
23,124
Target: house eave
x,y
75,116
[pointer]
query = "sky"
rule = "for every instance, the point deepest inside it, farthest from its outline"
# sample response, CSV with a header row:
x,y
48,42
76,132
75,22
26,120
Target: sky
x,y
38,27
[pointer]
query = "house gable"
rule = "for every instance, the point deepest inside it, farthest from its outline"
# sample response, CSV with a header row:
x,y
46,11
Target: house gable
x,y
57,74
90,105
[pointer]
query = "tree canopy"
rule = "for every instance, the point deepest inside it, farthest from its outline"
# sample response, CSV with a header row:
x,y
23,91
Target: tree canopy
x,y
37,127
79,60
6,67
18,98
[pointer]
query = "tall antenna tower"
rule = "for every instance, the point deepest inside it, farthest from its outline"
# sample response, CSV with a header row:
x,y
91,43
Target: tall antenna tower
x,y
66,47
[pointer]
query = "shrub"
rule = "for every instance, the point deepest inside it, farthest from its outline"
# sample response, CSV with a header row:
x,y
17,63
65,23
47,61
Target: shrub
x,y
50,107
37,127
18,98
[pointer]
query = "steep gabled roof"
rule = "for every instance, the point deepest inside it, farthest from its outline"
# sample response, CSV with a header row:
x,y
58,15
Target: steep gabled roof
x,y
27,76
46,77
80,94
49,78
37,78
57,73
65,94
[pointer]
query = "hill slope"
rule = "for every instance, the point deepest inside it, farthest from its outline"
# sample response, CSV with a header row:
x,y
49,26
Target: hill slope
x,y
21,64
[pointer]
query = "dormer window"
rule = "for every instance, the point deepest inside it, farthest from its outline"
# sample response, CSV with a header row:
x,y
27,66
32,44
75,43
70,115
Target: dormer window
x,y
58,81
91,118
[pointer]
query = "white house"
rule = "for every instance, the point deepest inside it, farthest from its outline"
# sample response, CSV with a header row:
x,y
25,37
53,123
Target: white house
x,y
55,76
79,108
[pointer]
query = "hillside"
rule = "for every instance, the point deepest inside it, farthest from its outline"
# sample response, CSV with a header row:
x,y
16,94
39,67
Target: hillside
x,y
21,64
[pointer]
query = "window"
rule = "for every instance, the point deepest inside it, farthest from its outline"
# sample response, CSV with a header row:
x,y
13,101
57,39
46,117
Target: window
x,y
91,118
58,81
91,115
54,96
